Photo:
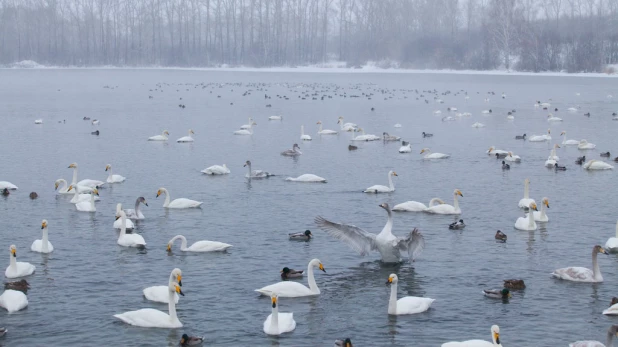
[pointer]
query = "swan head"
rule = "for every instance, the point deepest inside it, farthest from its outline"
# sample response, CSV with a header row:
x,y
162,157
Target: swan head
x,y
191,132
160,191
495,333
247,163
384,206
165,132
599,249
319,122
142,200
120,214
73,166
563,133
614,301
174,287
392,279
95,192
44,224
532,206
340,120
13,250
69,189
393,173
317,263
546,202
549,131
296,146
491,149
458,192
424,150
177,273
556,146
108,167
56,184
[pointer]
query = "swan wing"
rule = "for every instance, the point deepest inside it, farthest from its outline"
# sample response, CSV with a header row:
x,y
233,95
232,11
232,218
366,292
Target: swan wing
x,y
414,244
159,294
580,274
358,239
469,343
286,290
413,304
410,206
148,318
586,344
208,246
184,203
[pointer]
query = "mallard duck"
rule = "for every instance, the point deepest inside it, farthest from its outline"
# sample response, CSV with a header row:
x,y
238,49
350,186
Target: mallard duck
x,y
606,154
559,168
500,236
21,285
457,225
352,148
343,343
514,284
187,340
427,135
34,195
520,137
5,192
95,133
501,155
306,236
505,166
287,273
580,160
497,294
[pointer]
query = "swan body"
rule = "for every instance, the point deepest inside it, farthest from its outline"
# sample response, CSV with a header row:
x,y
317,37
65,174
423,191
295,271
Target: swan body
x,y
613,309
405,148
88,206
151,318
137,212
325,131
64,188
13,300
118,222
87,182
495,338
597,165
199,246
7,185
187,138
407,304
583,144
295,151
430,155
162,137
611,333
288,289
111,178
478,125
128,240
278,323
540,138
160,293
383,189
275,118
348,126
216,170
248,125
415,206
304,136
582,274
552,118
492,150
612,243
513,158
43,245
525,202
527,223
541,216
307,178
177,203
247,131
18,268
445,208
389,245
568,142
79,195
256,173
387,137
365,137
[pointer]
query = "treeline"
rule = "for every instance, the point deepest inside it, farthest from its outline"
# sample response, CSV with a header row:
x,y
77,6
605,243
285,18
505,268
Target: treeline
x,y
529,35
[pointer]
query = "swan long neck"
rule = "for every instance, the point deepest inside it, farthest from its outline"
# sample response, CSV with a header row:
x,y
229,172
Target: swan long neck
x,y
596,271
44,240
123,224
390,181
320,129
249,167
74,182
455,202
311,279
526,190
164,135
386,231
392,302
92,201
167,197
543,210
531,222
172,306
64,187
109,176
13,262
183,240
137,202
274,318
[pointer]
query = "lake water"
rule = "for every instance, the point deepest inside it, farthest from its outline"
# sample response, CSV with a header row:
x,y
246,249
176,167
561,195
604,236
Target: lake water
x,y
88,278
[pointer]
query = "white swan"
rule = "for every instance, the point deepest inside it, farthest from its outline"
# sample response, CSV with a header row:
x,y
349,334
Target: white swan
x,y
430,155
199,246
568,142
513,158
248,131
275,118
346,126
325,131
407,304
611,333
43,245
552,118
525,202
278,323
492,151
415,206
365,137
151,318
187,138
88,206
597,165
542,215
288,289
612,243
64,189
446,208
118,222
111,178
137,212
128,240
478,125
540,138
527,222
80,195
17,268
84,183
582,274
383,189
307,178
216,170
248,125
495,340
304,136
13,300
553,158
160,293
389,245
7,185
405,148
583,144
613,309
177,203
256,173
162,137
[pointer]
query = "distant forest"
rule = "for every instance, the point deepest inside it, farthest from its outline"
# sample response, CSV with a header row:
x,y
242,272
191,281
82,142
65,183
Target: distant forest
x,y
526,35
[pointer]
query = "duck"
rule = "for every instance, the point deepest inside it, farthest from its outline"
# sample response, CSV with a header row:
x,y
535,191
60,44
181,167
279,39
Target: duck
x,y
517,284
559,168
580,160
505,166
187,340
87,206
288,289
137,212
501,155
13,301
111,178
306,236
495,340
17,268
503,294
527,222
581,274
446,208
430,155
605,154
388,137
160,293
86,182
514,158
96,132
612,243
352,148
163,137
500,236
198,246
128,240
427,134
187,138
583,145
486,111
407,304
597,165
542,215
568,142
288,273
303,136
457,225
256,173
33,195
520,137
43,245
22,285
177,203
406,147
151,318
541,138
278,323
525,201
343,343
5,192
415,206
363,242
611,332
295,151
383,189
325,131
216,170
613,308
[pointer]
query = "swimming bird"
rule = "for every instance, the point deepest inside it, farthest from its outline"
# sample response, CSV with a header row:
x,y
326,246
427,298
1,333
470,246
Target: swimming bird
x,y
7,185
294,289
580,160
303,136
568,142
288,273
520,137
151,318
527,222
307,178
597,165
583,145
516,284
612,243
216,170
478,125
541,138
346,126
552,118
405,147
611,333
389,245
388,137
430,155
581,274
17,268
325,131
457,225
275,118
383,189
137,212
343,343
446,208
5,192
187,138
605,154
365,137
198,246
43,245
497,294
407,304
248,131
306,236
495,338
525,201
177,203
86,182
501,155
128,240
187,340
248,125
559,168
295,151
500,236
160,293
22,285
113,178
13,301
505,166
613,308
514,158
255,173
352,148
33,195
415,206
278,323
427,134
541,216
162,137
87,205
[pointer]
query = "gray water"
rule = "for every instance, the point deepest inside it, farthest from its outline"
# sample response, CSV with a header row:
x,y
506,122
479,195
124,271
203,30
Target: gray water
x,y
88,278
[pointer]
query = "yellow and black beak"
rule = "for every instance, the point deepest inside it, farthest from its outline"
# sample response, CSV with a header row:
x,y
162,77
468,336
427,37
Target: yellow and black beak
x,y
55,186
182,341
96,192
44,225
321,267
169,247
70,188
497,338
117,217
389,281
604,251
158,193
546,203
395,174
180,280
459,193
14,253
274,300
179,291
